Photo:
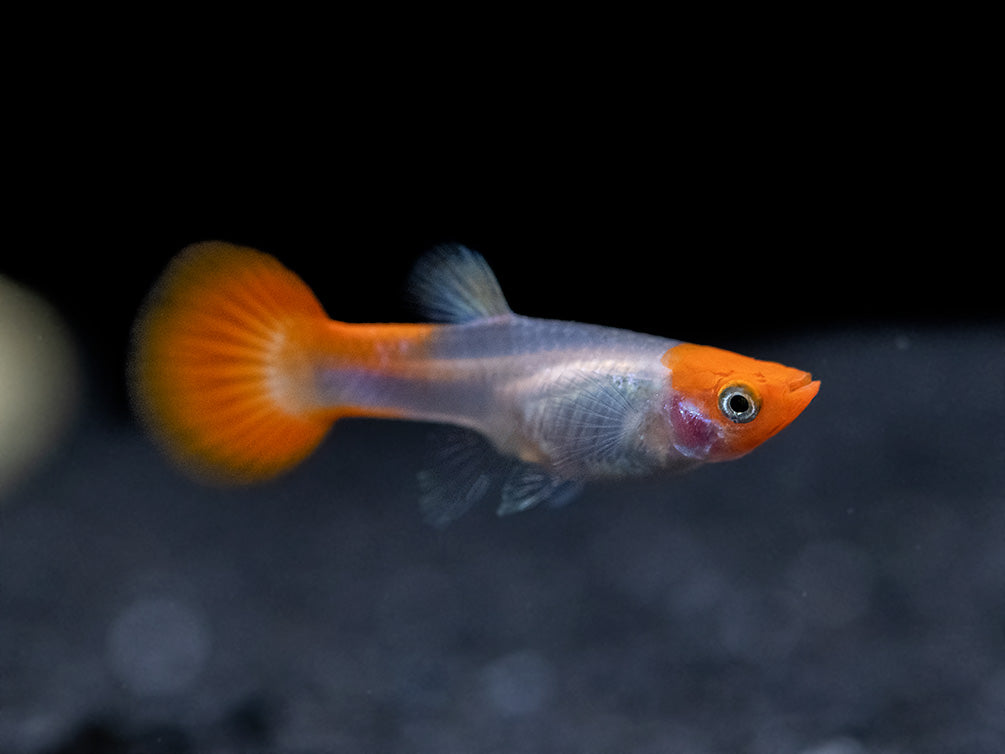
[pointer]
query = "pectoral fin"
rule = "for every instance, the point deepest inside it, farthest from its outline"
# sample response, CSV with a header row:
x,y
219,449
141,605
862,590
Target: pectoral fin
x,y
585,423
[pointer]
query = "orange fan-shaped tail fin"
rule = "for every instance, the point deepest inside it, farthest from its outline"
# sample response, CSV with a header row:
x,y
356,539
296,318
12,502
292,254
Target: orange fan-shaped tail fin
x,y
220,369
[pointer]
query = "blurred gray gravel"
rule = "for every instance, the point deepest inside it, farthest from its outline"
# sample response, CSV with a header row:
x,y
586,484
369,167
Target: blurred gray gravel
x,y
839,591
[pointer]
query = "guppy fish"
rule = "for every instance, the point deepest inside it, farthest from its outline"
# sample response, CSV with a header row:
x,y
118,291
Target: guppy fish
x,y
239,373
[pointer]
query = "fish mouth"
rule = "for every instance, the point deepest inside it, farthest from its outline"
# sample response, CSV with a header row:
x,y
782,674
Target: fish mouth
x,y
802,390
804,379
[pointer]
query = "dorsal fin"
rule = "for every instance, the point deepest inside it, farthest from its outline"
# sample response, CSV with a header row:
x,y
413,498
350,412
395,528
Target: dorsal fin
x,y
452,283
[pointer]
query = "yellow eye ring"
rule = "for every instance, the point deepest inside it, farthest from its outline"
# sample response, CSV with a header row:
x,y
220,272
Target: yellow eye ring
x,y
739,403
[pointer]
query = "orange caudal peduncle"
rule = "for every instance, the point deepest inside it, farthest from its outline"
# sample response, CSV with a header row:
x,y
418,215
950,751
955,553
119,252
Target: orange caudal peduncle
x,y
373,346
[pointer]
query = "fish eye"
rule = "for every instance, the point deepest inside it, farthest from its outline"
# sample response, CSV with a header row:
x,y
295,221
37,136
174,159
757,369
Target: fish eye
x,y
738,403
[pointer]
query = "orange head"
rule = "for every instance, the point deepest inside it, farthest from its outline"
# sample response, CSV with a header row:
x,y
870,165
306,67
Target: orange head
x,y
723,405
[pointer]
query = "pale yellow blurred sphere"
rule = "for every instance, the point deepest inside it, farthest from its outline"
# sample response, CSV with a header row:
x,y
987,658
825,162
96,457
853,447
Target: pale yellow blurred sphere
x,y
38,382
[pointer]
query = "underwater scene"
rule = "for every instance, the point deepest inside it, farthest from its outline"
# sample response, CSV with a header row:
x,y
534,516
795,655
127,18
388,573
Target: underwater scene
x,y
669,574
840,590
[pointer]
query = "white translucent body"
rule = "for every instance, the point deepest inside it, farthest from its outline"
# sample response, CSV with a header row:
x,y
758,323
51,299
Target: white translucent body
x,y
582,401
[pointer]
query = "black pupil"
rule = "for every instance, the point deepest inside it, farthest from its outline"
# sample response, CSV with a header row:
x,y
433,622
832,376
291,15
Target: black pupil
x,y
739,404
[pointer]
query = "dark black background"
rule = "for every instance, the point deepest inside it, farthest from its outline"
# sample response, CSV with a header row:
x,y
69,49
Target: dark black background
x,y
719,202
723,240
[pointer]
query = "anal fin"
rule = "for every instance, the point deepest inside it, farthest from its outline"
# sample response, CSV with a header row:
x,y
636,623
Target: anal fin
x,y
528,485
463,466
459,472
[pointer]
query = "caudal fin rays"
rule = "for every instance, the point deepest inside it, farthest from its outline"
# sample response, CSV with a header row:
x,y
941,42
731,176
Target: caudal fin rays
x,y
217,365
